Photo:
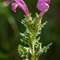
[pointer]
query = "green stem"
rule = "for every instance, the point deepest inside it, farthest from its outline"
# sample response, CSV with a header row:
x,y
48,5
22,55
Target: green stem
x,y
33,57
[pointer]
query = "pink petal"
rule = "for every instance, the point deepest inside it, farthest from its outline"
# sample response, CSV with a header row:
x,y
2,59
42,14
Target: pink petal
x,y
47,1
42,6
21,4
14,6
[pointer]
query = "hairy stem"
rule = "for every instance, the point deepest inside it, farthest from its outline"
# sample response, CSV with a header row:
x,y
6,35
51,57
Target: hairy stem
x,y
33,57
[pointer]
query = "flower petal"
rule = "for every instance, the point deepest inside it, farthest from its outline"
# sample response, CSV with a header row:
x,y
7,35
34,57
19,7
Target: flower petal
x,y
14,6
42,6
47,1
21,4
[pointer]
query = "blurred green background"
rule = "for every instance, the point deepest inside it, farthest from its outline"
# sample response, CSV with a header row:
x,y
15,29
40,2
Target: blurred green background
x,y
10,26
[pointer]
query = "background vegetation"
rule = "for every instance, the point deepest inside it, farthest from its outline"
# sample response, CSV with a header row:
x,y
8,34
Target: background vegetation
x,y
10,26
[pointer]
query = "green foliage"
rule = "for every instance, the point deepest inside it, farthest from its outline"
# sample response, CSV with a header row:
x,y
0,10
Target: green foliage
x,y
31,38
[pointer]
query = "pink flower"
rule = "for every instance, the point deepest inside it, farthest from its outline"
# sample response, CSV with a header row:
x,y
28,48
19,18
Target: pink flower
x,y
21,4
43,6
7,1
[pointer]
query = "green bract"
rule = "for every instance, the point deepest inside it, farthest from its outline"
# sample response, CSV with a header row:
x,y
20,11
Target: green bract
x,y
31,38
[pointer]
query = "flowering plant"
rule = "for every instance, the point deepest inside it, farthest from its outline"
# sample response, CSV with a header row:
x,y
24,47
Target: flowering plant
x,y
33,26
